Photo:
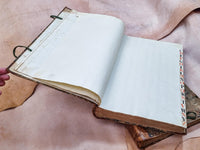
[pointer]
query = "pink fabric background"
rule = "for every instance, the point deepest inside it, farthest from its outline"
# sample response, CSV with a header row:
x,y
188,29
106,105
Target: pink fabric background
x,y
50,119
174,21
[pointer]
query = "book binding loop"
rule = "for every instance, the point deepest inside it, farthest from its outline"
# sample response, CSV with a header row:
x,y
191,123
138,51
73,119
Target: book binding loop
x,y
56,17
191,115
14,50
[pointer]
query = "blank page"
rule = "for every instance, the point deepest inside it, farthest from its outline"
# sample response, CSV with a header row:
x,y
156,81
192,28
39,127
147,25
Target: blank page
x,y
145,81
81,51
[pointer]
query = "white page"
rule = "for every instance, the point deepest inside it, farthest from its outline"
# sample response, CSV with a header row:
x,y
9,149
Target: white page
x,y
80,52
145,81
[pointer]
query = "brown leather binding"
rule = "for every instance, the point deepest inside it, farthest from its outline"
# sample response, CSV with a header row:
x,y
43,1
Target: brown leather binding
x,y
148,136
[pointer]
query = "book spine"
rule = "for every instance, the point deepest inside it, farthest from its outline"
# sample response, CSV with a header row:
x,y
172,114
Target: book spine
x,y
182,90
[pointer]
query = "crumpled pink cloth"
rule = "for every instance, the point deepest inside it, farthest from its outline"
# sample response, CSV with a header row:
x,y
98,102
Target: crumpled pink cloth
x,y
172,20
50,119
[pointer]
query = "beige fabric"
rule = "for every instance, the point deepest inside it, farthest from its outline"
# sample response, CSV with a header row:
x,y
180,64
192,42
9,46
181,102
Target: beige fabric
x,y
152,19
50,119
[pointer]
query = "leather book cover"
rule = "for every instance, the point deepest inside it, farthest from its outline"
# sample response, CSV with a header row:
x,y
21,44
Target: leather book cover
x,y
148,136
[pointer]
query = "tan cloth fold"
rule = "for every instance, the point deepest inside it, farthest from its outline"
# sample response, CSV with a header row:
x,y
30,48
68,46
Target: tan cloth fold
x,y
51,120
152,19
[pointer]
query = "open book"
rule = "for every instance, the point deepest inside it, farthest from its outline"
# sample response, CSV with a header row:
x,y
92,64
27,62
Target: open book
x,y
133,80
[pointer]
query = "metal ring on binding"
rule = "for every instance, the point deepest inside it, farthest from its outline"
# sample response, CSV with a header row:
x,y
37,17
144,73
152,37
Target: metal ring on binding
x,y
56,17
191,117
14,50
